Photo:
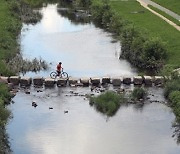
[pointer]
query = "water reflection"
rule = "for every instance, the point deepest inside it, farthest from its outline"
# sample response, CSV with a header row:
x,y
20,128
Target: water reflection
x,y
84,49
83,130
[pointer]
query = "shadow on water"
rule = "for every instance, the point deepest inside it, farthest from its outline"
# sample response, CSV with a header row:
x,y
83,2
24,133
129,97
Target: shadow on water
x,y
76,16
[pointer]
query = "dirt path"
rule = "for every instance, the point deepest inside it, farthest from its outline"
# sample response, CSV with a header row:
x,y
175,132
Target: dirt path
x,y
145,5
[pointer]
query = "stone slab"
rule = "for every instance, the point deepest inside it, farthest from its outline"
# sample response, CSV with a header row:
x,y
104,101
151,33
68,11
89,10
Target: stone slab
x,y
14,79
38,81
25,81
127,80
61,82
73,81
84,81
116,81
49,82
106,80
158,80
137,80
147,80
4,79
95,81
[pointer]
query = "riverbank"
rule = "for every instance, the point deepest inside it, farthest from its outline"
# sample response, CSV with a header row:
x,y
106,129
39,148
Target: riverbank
x,y
10,26
4,115
12,14
148,23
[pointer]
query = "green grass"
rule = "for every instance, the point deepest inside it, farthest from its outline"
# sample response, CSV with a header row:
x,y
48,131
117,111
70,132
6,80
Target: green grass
x,y
138,93
173,5
153,25
165,15
4,114
108,102
9,30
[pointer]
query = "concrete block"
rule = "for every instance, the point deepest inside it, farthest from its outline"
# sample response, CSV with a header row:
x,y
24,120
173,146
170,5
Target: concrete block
x,y
84,81
126,80
148,80
158,80
95,81
49,82
137,80
61,82
105,80
14,79
25,81
38,81
116,81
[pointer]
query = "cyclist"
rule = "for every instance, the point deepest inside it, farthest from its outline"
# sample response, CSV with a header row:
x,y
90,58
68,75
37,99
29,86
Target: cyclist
x,y
59,68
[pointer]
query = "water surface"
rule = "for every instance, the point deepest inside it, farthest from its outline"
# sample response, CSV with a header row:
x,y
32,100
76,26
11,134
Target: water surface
x,y
84,50
134,129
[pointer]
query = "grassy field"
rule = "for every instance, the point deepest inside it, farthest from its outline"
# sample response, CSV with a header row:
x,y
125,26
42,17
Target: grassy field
x,y
165,15
173,5
153,25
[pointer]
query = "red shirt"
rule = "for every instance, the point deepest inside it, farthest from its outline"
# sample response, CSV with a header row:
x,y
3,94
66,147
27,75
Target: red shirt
x,y
59,67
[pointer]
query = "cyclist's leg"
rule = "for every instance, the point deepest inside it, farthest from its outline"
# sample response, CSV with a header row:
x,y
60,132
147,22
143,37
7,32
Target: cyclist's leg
x,y
58,72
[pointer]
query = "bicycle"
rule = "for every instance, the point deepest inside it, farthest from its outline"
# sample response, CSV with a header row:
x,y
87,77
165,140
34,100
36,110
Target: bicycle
x,y
63,75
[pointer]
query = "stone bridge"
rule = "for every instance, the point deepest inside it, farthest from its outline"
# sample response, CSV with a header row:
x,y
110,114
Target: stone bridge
x,y
94,81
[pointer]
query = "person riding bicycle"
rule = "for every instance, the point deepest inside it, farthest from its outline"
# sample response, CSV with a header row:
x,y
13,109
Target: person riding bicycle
x,y
59,68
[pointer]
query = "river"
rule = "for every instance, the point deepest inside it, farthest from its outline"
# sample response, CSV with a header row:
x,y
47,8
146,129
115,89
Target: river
x,y
85,51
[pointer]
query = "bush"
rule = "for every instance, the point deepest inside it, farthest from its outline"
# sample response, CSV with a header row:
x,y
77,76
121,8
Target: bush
x,y
174,98
4,94
4,113
172,85
108,102
98,8
138,93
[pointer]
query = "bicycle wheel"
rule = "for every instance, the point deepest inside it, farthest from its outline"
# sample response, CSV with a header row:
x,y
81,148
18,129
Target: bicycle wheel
x,y
64,75
53,75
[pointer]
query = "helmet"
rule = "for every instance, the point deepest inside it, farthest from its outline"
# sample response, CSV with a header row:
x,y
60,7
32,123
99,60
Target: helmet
x,y
60,63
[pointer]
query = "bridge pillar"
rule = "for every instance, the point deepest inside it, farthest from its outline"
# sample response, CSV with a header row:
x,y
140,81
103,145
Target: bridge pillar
x,y
137,80
14,79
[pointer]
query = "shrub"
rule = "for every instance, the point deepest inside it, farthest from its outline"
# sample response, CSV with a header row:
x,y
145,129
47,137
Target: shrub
x,y
108,102
172,85
4,113
138,93
98,8
174,98
4,93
